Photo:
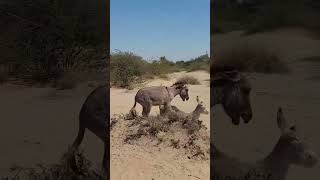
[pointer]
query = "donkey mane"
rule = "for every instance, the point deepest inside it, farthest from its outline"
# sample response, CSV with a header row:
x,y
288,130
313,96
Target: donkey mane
x,y
180,83
219,68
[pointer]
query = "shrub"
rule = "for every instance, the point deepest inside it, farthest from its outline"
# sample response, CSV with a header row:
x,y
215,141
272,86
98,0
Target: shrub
x,y
66,81
188,80
262,16
251,59
164,76
125,67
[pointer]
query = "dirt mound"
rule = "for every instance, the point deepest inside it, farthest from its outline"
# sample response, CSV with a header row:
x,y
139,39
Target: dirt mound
x,y
189,135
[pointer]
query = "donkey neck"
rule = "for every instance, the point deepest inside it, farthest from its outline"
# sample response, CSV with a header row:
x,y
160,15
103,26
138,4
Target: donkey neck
x,y
172,91
196,113
217,93
275,163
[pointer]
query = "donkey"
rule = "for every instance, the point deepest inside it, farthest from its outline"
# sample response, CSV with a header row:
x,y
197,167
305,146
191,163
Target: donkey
x,y
157,96
232,90
174,113
93,116
289,150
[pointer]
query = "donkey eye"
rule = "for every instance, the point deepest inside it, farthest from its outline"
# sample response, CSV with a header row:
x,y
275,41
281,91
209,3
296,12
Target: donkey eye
x,y
293,128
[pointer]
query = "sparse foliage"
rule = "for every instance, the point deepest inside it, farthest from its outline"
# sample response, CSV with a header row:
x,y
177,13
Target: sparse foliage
x,y
251,59
128,68
52,37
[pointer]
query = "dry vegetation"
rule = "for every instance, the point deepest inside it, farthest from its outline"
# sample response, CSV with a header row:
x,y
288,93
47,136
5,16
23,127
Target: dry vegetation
x,y
190,136
43,43
72,166
188,80
251,58
262,15
128,68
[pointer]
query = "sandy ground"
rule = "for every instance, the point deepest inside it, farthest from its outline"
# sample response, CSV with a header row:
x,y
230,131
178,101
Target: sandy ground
x,y
297,93
38,125
130,162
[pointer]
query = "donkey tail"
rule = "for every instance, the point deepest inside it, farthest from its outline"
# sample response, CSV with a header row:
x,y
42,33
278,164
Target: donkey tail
x,y
133,112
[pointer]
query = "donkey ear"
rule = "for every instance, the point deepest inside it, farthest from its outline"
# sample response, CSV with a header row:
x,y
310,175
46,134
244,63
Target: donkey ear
x,y
282,123
198,99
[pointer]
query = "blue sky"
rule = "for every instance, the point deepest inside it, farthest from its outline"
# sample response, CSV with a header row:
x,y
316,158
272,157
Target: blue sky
x,y
177,29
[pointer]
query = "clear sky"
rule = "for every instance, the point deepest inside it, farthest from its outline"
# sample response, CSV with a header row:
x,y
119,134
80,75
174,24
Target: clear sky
x,y
177,29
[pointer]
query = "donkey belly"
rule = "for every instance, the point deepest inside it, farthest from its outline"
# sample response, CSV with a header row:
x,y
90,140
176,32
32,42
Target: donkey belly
x,y
158,101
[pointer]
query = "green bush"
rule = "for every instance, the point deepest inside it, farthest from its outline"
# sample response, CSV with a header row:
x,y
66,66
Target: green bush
x,y
125,68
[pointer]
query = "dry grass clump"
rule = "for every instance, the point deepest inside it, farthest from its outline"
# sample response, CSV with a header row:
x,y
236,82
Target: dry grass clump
x,y
179,133
164,77
188,80
251,59
72,166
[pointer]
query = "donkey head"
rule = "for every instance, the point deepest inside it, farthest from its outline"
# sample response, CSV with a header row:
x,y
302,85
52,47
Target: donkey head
x,y
290,147
183,90
234,93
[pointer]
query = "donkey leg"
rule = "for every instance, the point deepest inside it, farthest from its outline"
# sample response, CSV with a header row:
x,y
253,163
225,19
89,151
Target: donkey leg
x,y
166,106
105,161
146,109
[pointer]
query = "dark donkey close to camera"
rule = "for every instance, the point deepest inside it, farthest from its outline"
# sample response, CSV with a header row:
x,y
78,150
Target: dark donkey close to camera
x,y
93,116
232,90
157,96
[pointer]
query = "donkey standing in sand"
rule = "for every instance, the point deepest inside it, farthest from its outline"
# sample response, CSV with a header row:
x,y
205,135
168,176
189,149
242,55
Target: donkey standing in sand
x,y
157,96
232,90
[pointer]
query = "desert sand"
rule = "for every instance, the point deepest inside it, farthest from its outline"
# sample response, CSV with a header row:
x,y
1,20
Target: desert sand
x,y
297,93
130,162
38,125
